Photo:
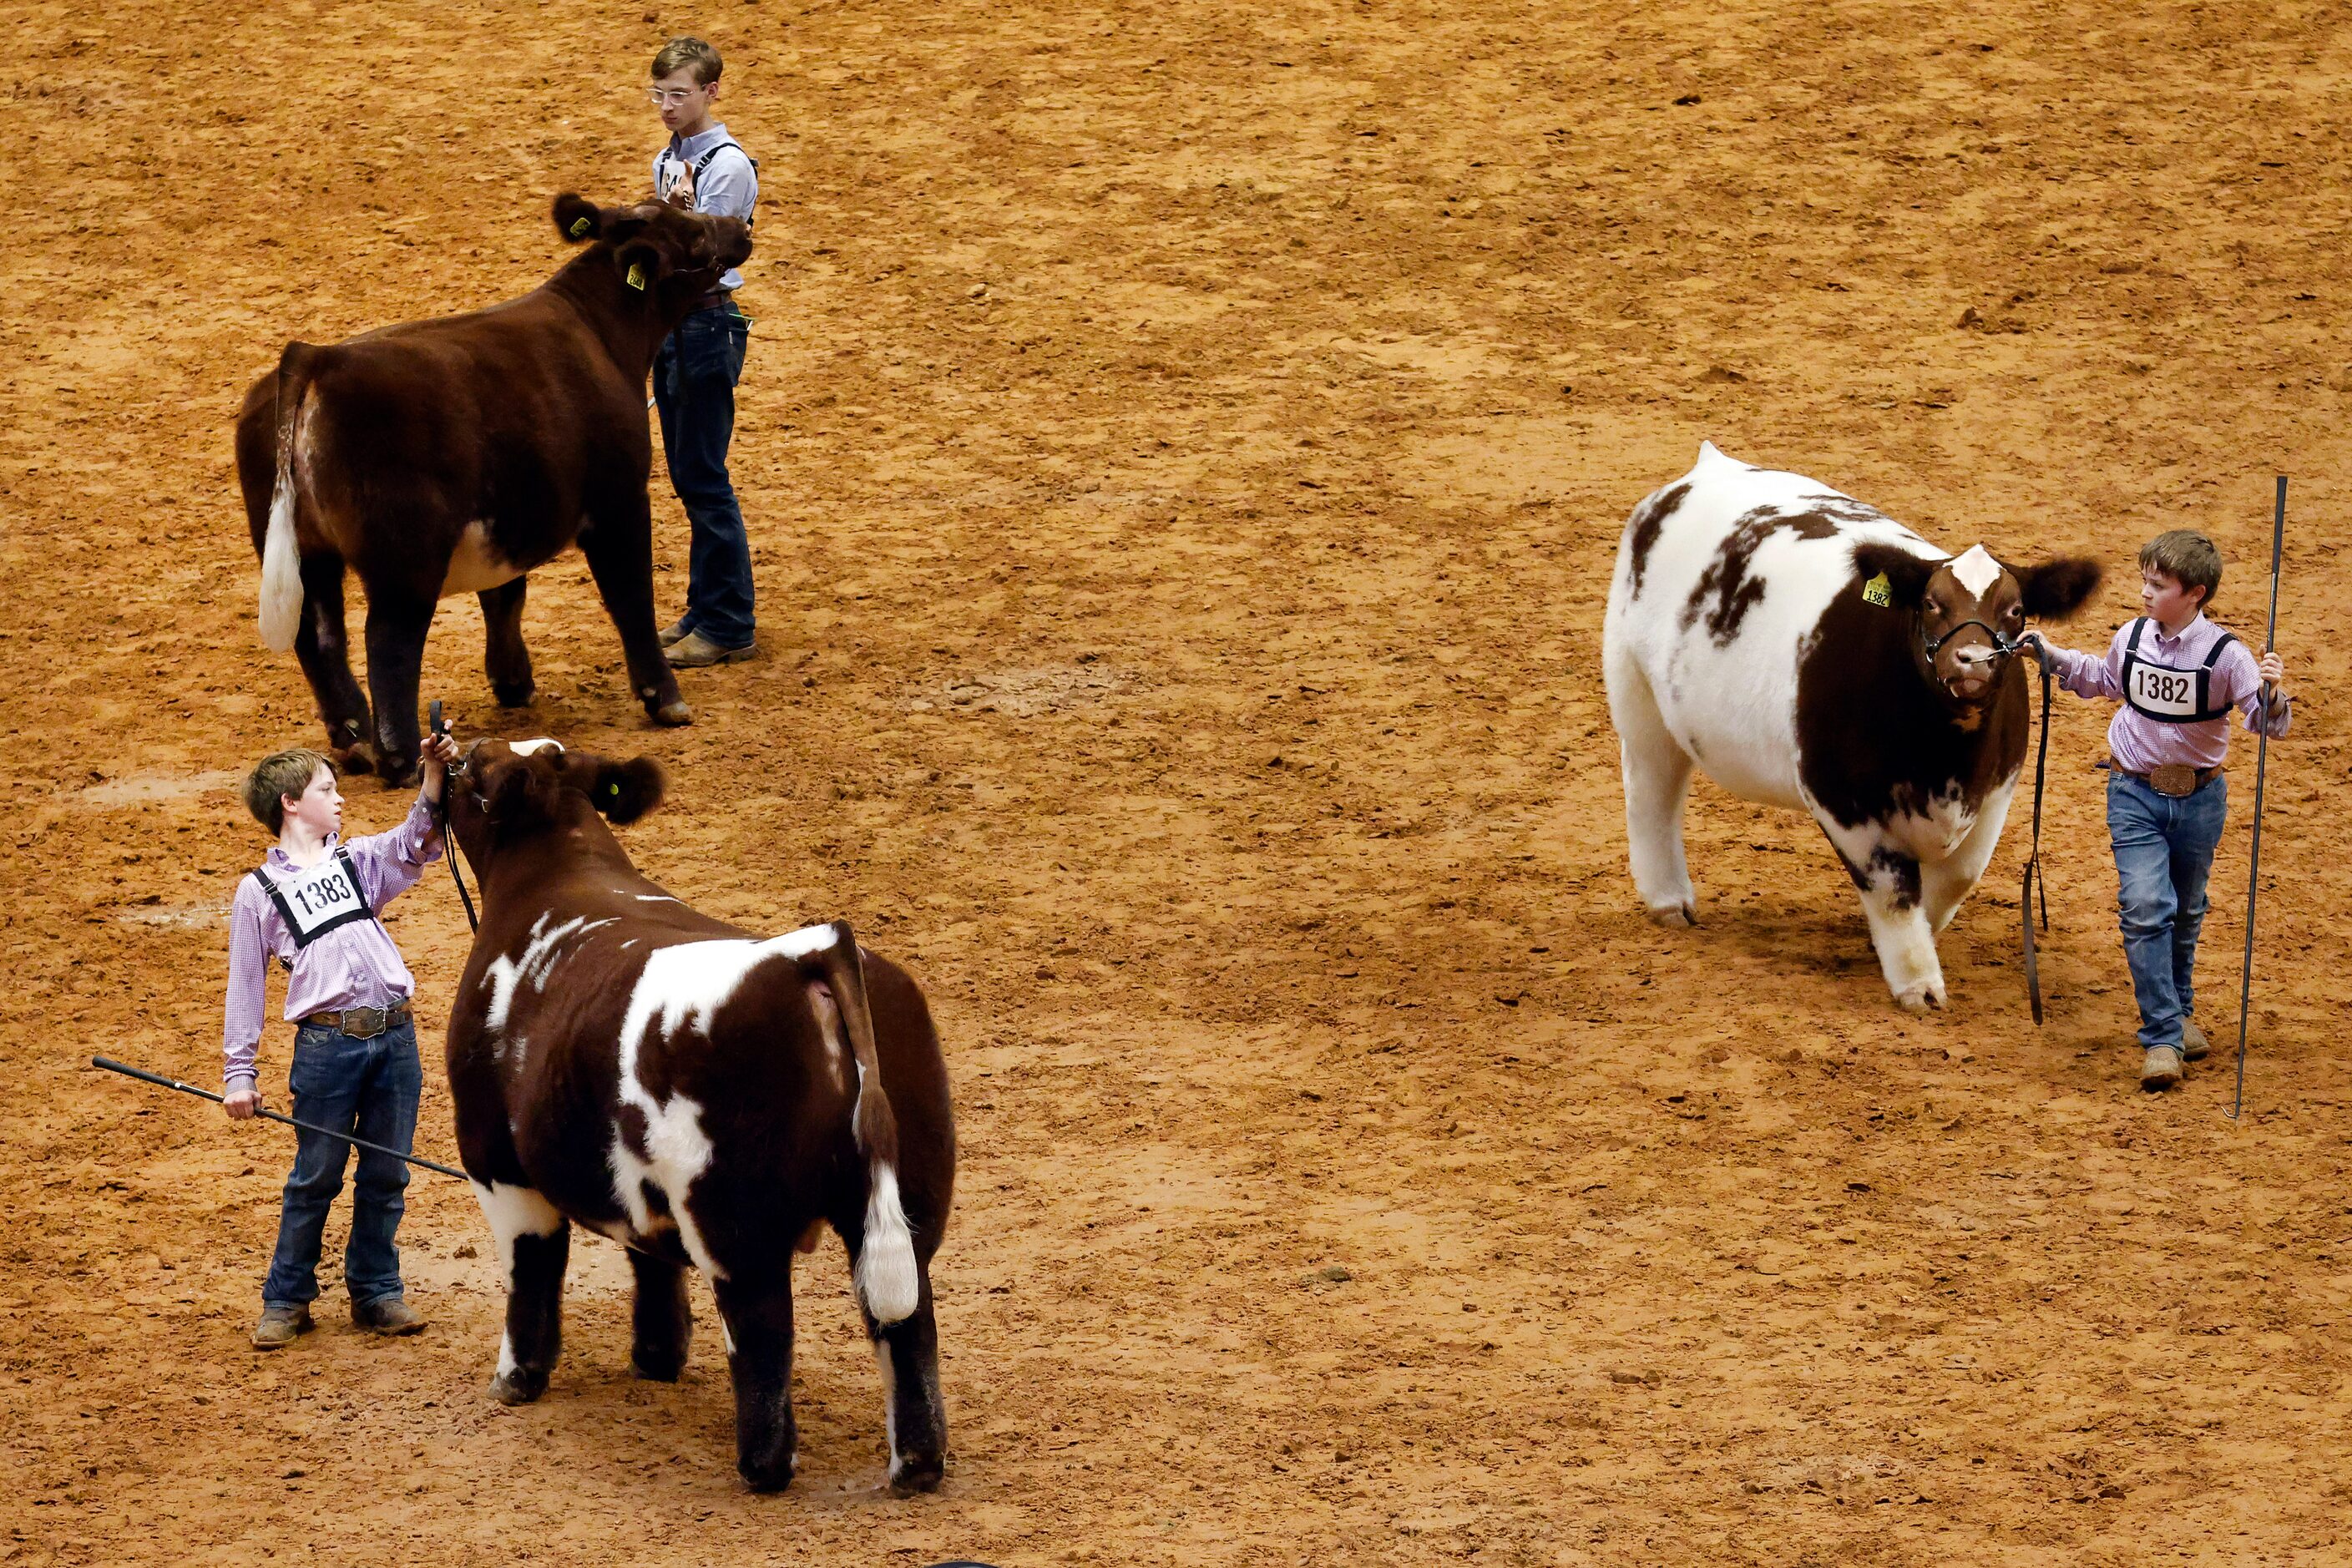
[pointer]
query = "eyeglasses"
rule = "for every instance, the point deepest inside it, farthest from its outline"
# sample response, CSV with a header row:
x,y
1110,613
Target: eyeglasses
x,y
673,98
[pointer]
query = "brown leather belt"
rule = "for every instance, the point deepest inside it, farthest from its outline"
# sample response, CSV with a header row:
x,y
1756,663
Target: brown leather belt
x,y
2174,781
362,1023
717,297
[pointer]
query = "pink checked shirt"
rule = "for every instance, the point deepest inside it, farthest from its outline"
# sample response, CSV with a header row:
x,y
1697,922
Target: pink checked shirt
x,y
353,965
2141,743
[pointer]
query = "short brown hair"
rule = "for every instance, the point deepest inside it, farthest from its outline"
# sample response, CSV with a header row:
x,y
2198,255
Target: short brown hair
x,y
2186,556
684,53
280,775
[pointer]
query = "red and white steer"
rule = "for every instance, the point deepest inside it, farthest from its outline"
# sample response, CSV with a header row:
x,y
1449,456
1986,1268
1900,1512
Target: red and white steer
x,y
708,1097
1806,651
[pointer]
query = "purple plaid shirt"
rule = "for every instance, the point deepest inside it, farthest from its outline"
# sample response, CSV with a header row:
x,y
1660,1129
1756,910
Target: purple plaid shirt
x,y
353,965
2141,743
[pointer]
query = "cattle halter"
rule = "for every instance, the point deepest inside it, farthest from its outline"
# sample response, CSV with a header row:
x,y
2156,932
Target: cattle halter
x,y
2001,646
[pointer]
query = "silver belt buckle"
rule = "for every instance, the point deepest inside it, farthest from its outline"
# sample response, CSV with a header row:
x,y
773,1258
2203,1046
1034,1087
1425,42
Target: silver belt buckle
x,y
374,1016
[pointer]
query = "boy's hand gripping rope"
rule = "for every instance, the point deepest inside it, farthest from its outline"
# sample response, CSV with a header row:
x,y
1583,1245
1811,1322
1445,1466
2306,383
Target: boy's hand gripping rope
x,y
2262,760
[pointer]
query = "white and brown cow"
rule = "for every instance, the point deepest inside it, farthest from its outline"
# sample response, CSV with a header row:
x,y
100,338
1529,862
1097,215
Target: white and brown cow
x,y
708,1097
1806,651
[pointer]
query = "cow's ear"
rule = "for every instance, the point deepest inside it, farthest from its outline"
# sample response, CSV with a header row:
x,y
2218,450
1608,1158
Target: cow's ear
x,y
1891,576
519,791
623,791
577,218
2056,589
641,265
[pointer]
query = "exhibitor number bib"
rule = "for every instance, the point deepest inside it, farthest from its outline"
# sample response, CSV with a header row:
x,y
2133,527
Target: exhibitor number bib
x,y
2166,695
316,901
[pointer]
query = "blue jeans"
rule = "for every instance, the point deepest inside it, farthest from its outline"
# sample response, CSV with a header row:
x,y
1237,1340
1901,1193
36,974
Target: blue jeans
x,y
368,1089
2164,853
694,388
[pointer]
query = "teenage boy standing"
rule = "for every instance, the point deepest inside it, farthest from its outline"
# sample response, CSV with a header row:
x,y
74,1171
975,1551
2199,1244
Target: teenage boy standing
x,y
705,169
2178,676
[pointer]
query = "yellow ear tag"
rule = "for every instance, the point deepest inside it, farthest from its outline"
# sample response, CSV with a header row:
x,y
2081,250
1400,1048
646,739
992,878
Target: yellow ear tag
x,y
1878,591
580,226
637,276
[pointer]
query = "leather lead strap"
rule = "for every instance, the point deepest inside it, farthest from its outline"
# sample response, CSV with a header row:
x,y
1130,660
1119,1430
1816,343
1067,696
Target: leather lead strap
x,y
2034,880
441,813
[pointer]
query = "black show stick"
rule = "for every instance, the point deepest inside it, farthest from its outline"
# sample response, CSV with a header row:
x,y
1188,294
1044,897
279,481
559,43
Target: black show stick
x,y
2262,761
127,1070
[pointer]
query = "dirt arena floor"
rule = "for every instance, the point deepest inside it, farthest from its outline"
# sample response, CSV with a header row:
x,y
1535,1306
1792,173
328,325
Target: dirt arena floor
x,y
1186,447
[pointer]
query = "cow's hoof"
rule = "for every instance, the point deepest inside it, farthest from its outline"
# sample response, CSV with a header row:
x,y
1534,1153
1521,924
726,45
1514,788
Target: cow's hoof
x,y
517,1387
515,696
657,1368
357,758
771,1477
910,1476
1922,998
1673,915
674,714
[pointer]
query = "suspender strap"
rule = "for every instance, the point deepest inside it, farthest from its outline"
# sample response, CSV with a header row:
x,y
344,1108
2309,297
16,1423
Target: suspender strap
x,y
671,154
305,932
2201,709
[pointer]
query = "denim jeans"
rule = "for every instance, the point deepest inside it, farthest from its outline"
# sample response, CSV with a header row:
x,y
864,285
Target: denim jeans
x,y
368,1089
694,388
2164,853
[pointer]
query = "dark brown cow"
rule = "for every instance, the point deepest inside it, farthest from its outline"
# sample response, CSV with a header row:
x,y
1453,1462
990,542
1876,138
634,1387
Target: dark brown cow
x,y
708,1098
454,456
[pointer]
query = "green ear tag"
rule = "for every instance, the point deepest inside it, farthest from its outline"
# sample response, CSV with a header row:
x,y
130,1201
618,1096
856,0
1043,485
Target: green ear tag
x,y
1878,591
637,276
580,226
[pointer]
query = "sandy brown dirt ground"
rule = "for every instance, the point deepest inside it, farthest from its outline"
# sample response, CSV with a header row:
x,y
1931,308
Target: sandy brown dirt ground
x,y
1186,447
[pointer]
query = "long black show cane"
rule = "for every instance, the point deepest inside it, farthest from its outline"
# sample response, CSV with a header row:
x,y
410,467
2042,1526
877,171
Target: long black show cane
x,y
2262,760
127,1070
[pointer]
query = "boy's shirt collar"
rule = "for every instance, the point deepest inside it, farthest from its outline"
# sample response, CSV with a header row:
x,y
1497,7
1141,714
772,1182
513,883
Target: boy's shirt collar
x,y
2177,638
688,147
277,857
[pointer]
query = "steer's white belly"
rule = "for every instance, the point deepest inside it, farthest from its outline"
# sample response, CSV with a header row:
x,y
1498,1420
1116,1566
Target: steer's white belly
x,y
476,564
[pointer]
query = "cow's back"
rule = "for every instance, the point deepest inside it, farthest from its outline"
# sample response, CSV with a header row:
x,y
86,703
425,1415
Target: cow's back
x,y
512,417
1721,579
627,1051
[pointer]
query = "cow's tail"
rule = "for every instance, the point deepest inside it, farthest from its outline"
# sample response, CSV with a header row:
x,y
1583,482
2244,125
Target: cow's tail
x,y
888,1280
281,565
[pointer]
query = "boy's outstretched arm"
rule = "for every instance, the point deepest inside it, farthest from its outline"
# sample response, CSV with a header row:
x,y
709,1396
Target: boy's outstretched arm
x,y
390,862
2084,674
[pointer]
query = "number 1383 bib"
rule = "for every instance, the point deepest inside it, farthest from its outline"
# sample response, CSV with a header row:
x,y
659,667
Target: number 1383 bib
x,y
316,901
2166,695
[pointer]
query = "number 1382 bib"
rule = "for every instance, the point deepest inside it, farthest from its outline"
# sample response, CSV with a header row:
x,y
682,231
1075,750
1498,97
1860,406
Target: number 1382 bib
x,y
316,901
2166,695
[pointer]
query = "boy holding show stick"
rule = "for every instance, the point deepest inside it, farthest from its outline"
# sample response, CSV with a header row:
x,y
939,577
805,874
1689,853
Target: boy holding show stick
x,y
2178,676
313,904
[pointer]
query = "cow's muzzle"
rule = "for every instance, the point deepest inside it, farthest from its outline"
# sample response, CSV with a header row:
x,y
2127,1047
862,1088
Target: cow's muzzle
x,y
1979,673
